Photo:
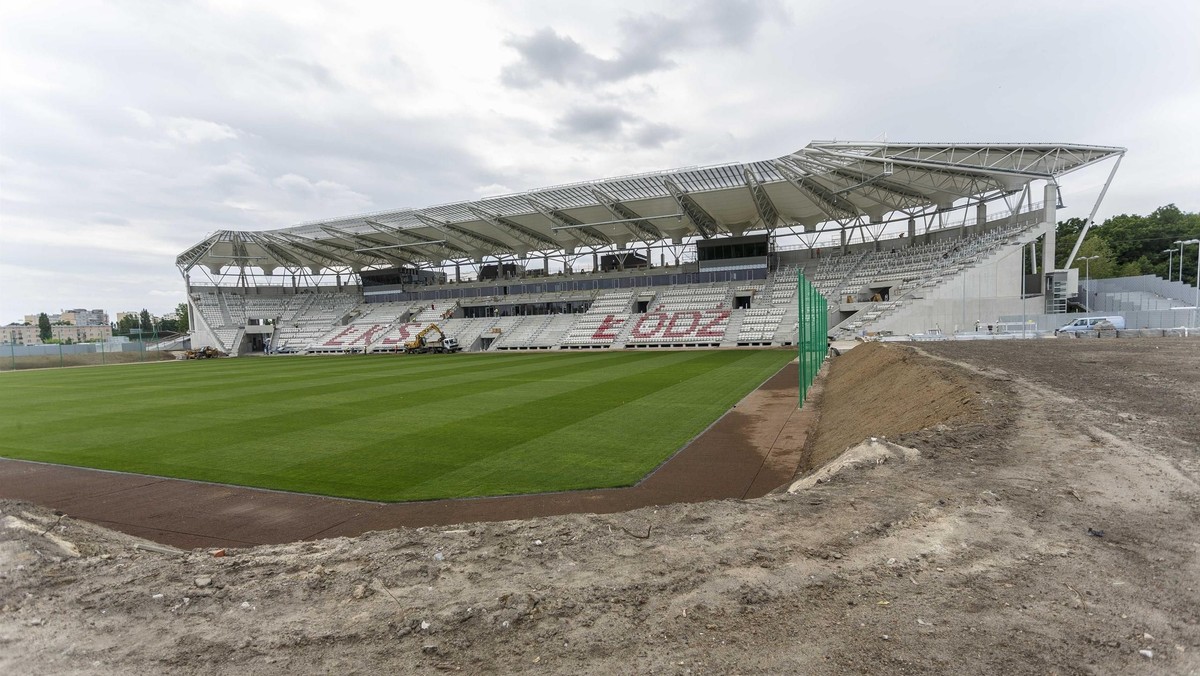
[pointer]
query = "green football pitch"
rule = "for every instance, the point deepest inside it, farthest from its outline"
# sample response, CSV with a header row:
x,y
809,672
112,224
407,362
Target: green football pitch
x,y
389,428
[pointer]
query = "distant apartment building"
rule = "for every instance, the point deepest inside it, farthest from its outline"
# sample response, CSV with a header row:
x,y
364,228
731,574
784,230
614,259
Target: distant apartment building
x,y
18,334
122,315
82,317
32,320
76,317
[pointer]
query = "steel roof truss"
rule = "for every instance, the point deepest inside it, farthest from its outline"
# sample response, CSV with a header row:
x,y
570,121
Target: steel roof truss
x,y
344,253
862,184
281,254
576,228
834,207
637,224
484,245
446,250
522,234
762,201
318,258
875,187
391,257
704,222
190,258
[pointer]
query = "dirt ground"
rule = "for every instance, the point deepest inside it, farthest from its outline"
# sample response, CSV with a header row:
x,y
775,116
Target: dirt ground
x,y
1045,522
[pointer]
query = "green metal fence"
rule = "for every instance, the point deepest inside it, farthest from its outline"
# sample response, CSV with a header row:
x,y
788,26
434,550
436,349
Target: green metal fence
x,y
811,338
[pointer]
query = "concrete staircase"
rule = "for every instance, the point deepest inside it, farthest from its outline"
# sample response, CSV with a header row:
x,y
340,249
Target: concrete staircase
x,y
733,328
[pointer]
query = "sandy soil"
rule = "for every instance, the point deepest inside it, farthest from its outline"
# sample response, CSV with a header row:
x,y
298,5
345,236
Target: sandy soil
x,y
1047,523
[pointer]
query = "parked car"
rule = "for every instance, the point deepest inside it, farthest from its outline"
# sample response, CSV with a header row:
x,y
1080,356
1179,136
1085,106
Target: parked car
x,y
1092,324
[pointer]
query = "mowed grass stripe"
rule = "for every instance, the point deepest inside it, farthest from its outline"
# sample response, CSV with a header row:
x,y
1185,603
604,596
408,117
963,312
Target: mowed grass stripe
x,y
303,457
185,409
444,449
386,428
293,437
607,447
251,385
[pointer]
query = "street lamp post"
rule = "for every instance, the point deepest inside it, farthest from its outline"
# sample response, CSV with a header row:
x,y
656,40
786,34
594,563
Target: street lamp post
x,y
1180,244
1170,261
1087,283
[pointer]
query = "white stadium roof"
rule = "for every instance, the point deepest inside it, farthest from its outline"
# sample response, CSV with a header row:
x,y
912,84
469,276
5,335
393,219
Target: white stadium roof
x,y
840,183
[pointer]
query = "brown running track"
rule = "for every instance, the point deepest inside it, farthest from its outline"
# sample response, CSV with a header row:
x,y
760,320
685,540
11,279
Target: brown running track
x,y
751,450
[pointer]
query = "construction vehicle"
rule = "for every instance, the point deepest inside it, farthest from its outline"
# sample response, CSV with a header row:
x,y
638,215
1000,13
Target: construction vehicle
x,y
424,342
202,353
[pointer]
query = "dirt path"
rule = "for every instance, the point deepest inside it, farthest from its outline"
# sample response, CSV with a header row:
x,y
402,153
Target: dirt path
x,y
1047,529
750,451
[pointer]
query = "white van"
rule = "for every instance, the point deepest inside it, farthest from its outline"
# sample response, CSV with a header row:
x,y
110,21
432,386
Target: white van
x,y
1090,324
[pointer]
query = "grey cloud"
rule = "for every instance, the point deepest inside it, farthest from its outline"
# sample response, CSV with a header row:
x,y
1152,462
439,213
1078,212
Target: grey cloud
x,y
654,135
614,125
593,121
734,23
548,56
648,40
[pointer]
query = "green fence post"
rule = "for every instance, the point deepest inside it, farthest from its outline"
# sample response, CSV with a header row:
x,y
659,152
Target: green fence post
x,y
811,334
60,357
800,366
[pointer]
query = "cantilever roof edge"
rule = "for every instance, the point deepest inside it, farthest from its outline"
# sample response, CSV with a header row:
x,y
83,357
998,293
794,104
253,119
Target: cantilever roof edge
x,y
865,180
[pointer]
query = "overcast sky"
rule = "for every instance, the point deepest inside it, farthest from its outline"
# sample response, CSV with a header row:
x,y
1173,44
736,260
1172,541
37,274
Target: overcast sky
x,y
131,130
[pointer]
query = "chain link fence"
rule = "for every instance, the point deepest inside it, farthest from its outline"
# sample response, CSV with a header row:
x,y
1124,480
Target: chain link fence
x,y
15,357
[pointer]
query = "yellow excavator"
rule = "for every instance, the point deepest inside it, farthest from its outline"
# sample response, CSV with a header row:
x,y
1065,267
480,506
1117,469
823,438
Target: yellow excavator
x,y
424,342
202,353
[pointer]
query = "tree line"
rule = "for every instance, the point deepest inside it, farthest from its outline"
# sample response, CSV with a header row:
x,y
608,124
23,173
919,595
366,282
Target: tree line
x,y
1129,245
149,326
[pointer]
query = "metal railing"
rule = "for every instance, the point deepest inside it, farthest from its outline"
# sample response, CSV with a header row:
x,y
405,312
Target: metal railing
x,y
811,334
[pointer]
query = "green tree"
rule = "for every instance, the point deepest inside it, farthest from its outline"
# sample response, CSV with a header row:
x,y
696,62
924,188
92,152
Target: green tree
x,y
147,325
181,314
1065,235
127,322
1100,268
44,330
1136,245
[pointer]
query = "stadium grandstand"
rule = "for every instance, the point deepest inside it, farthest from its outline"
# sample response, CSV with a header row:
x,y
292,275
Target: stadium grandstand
x,y
901,238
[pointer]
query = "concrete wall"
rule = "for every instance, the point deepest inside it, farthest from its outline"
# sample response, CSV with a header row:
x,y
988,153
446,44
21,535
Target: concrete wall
x,y
199,331
984,292
1149,319
1178,291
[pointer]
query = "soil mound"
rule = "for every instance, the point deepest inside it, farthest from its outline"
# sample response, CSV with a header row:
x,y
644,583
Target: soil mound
x,y
888,391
